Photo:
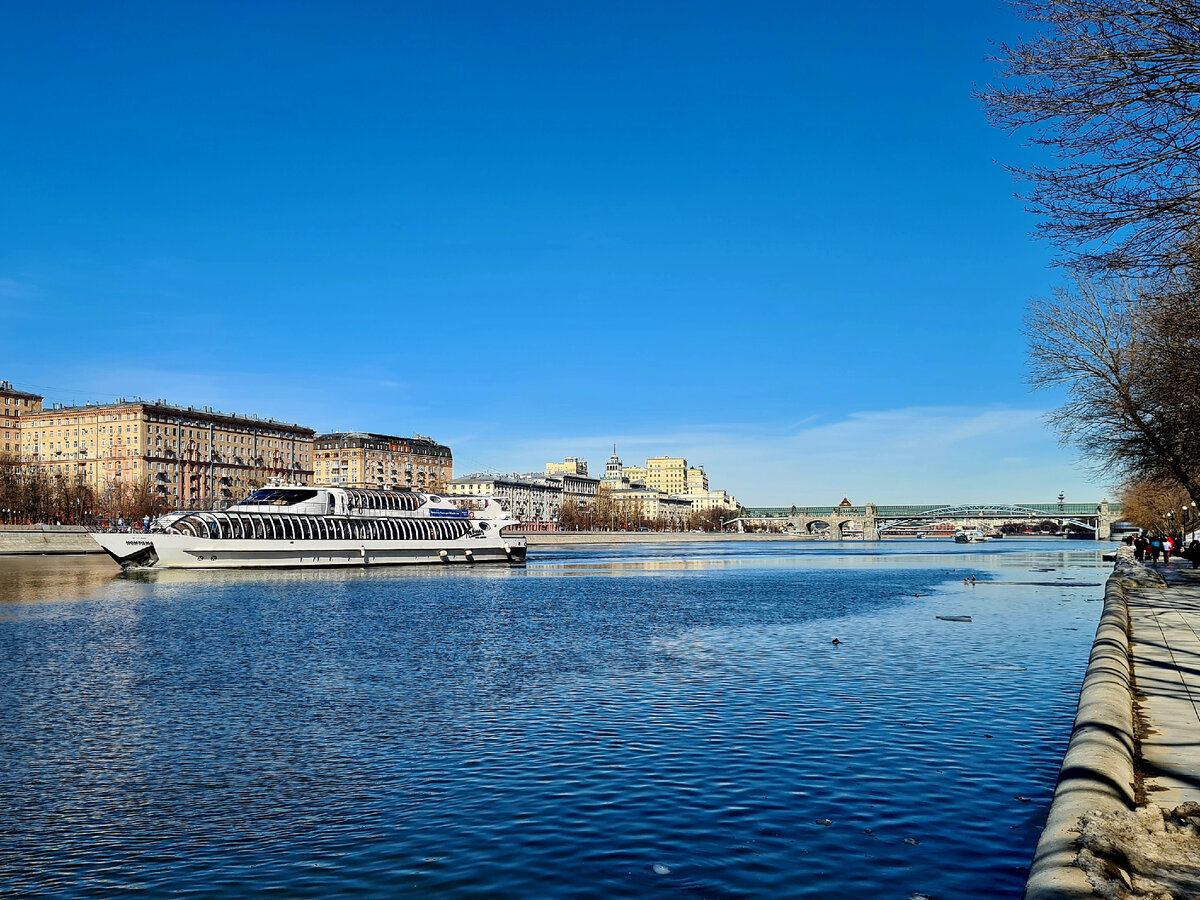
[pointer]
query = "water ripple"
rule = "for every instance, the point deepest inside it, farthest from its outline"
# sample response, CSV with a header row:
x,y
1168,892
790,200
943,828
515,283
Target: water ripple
x,y
633,730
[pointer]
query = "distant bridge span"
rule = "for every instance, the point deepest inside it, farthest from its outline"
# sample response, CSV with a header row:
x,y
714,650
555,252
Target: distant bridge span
x,y
876,520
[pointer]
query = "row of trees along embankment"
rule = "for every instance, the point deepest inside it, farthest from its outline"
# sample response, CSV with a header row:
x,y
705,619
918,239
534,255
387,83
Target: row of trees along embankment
x,y
1109,92
31,493
609,513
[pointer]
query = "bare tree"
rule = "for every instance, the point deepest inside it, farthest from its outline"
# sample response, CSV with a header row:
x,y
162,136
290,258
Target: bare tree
x,y
1131,388
1111,90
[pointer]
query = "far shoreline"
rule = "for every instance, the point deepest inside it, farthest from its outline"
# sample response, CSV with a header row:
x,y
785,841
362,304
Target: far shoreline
x,y
569,538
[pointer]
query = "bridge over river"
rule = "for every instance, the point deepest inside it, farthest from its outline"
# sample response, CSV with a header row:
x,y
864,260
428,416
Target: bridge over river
x,y
876,521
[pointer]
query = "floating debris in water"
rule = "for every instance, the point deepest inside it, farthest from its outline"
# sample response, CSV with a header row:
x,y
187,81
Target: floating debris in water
x,y
911,841
836,641
660,869
917,895
955,618
824,821
1022,799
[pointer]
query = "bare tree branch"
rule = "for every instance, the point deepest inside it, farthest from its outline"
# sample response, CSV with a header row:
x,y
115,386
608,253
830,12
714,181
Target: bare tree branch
x,y
1111,88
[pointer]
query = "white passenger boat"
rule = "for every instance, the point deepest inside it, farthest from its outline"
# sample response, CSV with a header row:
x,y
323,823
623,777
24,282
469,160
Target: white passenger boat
x,y
301,526
970,534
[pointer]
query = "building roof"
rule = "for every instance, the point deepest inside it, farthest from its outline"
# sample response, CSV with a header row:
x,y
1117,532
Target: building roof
x,y
161,407
362,437
7,388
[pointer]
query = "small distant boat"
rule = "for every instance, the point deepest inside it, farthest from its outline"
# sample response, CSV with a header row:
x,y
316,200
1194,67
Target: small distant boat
x,y
970,534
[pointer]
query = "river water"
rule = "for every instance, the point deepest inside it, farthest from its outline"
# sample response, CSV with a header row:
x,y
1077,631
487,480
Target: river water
x,y
634,721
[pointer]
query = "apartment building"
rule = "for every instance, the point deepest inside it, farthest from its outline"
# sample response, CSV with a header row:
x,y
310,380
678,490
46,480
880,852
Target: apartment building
x,y
190,456
364,459
18,406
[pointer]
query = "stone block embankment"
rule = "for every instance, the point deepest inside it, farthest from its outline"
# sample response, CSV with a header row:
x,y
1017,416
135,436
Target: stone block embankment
x,y
45,539
1097,773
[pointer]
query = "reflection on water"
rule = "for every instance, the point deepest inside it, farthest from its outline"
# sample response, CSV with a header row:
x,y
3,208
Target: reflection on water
x,y
660,722
26,579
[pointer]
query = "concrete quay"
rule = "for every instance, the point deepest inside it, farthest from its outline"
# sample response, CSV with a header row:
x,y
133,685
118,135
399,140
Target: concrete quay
x,y
570,538
1125,819
45,539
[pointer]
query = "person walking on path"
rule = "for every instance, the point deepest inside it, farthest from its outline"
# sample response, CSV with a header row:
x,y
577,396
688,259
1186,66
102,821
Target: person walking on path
x,y
1155,549
1167,547
1139,547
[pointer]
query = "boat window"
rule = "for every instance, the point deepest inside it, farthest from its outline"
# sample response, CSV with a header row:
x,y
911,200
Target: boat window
x,y
279,497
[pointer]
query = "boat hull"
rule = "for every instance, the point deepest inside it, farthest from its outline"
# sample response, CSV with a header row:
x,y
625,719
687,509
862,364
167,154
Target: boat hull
x,y
177,551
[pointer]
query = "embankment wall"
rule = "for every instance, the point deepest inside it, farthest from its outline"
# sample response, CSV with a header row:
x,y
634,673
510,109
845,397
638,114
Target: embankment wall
x,y
1097,772
44,539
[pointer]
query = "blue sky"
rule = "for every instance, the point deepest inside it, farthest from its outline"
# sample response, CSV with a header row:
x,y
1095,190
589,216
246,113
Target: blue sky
x,y
770,237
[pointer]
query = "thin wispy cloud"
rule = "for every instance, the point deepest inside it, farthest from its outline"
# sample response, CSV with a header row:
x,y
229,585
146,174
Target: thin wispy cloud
x,y
907,454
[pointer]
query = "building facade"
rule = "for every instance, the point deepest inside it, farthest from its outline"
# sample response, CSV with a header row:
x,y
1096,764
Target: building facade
x,y
668,474
570,466
644,505
613,470
578,489
668,477
534,501
18,406
188,456
362,459
704,501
